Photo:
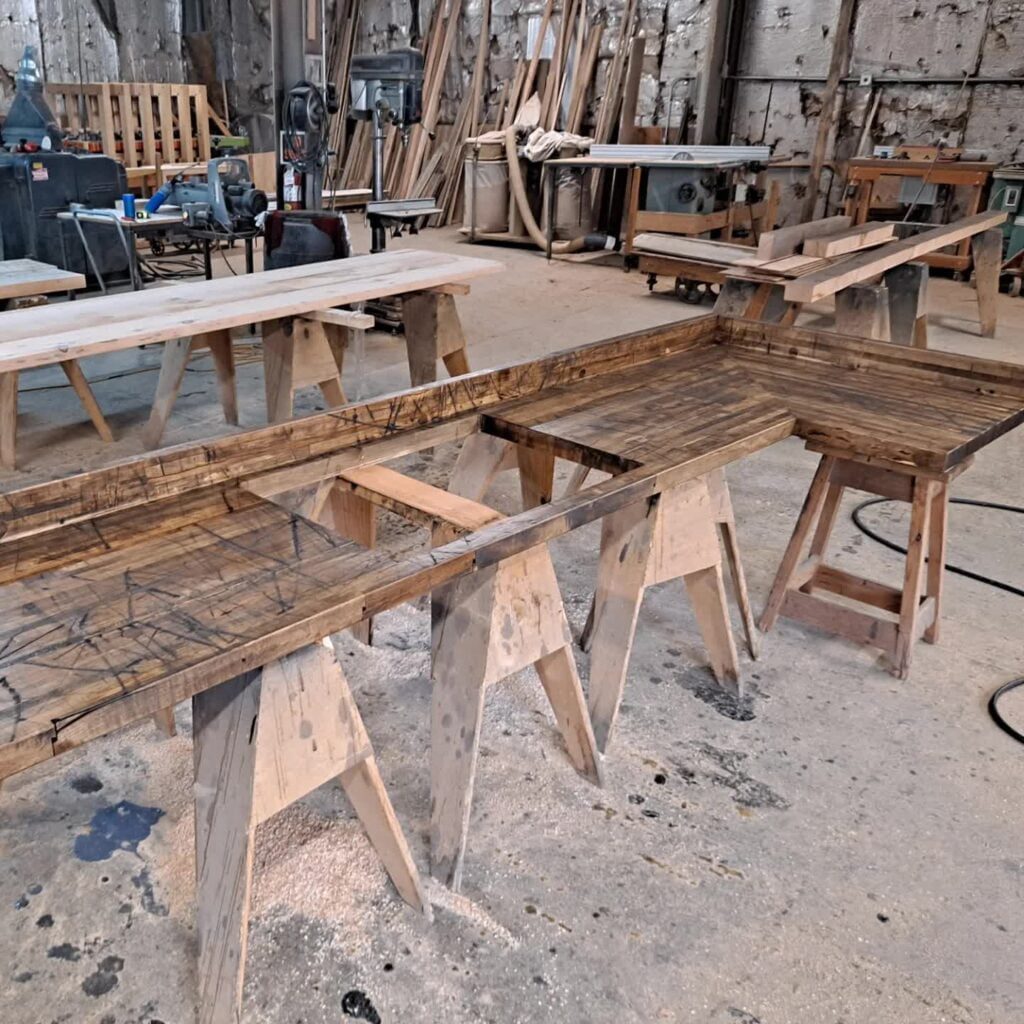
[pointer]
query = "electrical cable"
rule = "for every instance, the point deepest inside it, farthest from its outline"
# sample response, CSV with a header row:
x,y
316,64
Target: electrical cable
x,y
1013,684
993,709
958,570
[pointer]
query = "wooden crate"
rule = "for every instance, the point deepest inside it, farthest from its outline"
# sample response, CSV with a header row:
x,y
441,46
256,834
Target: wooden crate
x,y
140,123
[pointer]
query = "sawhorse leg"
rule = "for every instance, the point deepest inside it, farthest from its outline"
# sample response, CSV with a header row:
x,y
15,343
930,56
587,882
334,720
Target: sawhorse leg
x,y
172,371
670,537
262,741
298,354
433,331
487,626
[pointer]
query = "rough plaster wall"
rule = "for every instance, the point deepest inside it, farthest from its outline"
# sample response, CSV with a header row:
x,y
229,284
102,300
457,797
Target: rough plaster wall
x,y
240,33
137,40
19,27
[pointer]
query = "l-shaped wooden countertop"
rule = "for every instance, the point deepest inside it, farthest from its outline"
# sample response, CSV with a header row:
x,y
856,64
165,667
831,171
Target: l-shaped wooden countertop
x,y
128,589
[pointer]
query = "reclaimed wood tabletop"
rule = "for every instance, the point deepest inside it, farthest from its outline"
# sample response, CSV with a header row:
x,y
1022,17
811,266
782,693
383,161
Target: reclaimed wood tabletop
x,y
130,588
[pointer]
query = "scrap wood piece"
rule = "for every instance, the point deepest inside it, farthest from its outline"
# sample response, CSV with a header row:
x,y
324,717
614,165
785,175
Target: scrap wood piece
x,y
866,265
784,241
864,236
694,248
787,266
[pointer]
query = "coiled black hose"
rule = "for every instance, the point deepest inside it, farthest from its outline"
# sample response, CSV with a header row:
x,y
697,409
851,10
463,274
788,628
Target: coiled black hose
x,y
1013,684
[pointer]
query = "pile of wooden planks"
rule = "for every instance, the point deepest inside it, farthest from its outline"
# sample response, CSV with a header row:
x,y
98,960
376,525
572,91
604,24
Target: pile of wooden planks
x,y
841,256
553,92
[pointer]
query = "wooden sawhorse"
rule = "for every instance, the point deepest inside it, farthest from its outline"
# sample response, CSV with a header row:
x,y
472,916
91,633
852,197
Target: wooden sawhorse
x,y
486,626
894,619
262,741
308,351
654,542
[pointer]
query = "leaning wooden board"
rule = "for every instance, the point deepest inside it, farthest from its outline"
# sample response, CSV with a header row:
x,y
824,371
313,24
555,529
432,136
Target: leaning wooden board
x,y
870,264
128,589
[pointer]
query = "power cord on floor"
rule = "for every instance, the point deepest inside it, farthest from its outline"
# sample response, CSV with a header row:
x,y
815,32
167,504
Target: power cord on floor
x,y
1013,684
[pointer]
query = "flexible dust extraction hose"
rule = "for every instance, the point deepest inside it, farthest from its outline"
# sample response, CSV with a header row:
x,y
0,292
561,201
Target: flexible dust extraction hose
x,y
515,179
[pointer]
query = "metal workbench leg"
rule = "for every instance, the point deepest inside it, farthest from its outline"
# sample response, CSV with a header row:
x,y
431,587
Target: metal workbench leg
x,y
89,255
551,207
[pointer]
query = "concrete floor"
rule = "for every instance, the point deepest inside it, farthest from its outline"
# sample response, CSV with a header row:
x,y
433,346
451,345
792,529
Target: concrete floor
x,y
838,848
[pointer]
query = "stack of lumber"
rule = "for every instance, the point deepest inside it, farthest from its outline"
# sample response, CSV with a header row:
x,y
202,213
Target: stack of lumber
x,y
822,257
553,92
819,258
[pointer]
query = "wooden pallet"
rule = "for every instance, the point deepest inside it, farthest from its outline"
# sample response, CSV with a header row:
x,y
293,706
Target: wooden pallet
x,y
140,123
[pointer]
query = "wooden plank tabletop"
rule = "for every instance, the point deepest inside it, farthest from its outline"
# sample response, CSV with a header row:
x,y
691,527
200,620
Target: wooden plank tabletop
x,y
40,336
30,277
129,588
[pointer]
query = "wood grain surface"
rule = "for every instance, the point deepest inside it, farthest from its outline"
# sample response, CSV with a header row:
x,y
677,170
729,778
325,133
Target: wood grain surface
x,y
129,588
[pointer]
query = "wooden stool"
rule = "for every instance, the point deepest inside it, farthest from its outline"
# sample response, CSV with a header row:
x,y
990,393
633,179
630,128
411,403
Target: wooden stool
x,y
262,741
486,626
907,614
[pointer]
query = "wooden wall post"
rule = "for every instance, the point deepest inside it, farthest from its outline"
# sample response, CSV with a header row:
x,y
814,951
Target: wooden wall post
x,y
842,43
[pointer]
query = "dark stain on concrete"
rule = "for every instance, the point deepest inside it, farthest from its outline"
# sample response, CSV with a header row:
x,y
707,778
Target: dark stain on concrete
x,y
725,768
707,691
86,783
65,951
357,1005
104,978
150,903
119,827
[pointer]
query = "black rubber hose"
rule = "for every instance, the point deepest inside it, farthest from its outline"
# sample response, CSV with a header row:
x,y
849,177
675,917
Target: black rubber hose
x,y
892,546
993,701
993,709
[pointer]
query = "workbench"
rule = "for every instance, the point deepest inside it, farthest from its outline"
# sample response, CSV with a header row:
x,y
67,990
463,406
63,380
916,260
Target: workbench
x,y
22,278
197,573
304,336
127,230
866,177
756,216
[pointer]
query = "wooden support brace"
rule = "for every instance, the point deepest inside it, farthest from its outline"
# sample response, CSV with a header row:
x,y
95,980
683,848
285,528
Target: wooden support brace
x,y
908,304
487,626
8,419
172,371
863,310
262,741
671,537
433,331
297,354
77,380
987,250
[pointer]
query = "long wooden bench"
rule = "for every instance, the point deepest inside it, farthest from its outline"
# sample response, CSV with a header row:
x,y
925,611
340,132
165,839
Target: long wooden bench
x,y
302,346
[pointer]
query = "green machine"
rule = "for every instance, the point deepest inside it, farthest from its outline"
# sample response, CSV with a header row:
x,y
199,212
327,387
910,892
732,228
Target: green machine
x,y
1007,194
